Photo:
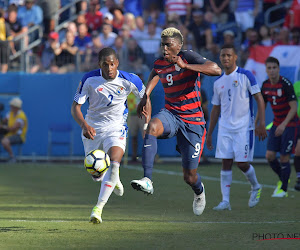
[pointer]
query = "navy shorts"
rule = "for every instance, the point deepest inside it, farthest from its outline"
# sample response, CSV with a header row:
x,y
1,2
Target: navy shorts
x,y
283,144
190,137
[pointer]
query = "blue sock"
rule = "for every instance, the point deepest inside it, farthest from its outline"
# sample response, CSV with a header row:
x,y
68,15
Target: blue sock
x,y
149,152
197,187
275,165
285,175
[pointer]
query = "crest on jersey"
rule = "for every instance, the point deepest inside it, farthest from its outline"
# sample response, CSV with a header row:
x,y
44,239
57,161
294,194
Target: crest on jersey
x,y
235,83
177,68
120,90
279,92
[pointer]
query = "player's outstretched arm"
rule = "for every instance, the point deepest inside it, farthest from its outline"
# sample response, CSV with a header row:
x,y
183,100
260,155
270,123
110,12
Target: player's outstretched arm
x,y
260,124
152,81
214,115
208,68
88,131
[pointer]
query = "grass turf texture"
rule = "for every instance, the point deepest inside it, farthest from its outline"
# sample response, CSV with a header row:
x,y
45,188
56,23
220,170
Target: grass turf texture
x,y
47,206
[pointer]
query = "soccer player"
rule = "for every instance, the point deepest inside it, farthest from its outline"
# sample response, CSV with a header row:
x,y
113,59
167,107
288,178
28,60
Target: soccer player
x,y
179,72
104,125
233,98
297,149
280,93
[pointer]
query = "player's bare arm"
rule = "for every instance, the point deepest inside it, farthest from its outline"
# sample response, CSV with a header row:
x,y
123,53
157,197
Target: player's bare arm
x,y
145,101
260,124
88,131
208,68
214,115
279,130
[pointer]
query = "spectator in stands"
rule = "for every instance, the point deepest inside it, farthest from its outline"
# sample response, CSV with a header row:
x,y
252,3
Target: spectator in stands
x,y
283,37
15,25
15,123
156,15
129,20
134,7
66,55
150,44
5,43
135,61
140,30
251,40
109,5
80,19
92,60
107,36
71,27
182,8
94,16
245,13
292,19
118,20
51,49
228,37
125,33
49,9
220,8
265,38
83,41
201,31
30,14
295,36
121,50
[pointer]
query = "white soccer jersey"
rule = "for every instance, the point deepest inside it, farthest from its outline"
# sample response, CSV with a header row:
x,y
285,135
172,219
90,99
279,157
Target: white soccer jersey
x,y
107,98
234,93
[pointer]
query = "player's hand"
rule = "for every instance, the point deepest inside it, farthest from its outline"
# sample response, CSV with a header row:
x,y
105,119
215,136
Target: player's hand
x,y
88,131
261,132
209,142
141,106
177,60
279,130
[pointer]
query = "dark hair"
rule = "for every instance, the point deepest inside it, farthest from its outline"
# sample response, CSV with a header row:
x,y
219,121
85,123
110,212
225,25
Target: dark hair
x,y
105,52
229,46
272,59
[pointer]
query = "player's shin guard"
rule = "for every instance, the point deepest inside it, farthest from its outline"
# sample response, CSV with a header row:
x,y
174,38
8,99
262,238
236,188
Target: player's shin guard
x,y
108,184
226,180
285,175
149,152
275,165
251,176
197,187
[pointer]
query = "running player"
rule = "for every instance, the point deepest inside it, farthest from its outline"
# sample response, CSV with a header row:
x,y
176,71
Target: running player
x,y
105,126
280,93
233,99
179,71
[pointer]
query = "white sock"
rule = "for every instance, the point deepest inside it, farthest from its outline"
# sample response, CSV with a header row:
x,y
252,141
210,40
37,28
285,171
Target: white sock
x,y
226,179
108,184
251,177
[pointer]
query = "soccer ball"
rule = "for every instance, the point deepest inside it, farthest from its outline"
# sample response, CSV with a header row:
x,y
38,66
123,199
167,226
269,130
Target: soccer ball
x,y
97,162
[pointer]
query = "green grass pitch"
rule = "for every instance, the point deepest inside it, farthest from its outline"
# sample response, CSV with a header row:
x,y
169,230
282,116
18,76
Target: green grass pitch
x,y
47,206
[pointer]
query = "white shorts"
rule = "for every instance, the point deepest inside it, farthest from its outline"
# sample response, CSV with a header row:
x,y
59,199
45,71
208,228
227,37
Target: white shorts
x,y
235,145
105,140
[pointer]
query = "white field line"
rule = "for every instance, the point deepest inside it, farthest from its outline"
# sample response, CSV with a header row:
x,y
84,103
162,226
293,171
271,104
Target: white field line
x,y
174,222
202,176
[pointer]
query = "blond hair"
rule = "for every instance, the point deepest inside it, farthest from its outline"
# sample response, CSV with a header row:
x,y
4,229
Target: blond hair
x,y
172,32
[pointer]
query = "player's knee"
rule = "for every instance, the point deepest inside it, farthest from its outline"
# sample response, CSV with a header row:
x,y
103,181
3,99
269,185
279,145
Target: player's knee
x,y
190,179
270,157
153,129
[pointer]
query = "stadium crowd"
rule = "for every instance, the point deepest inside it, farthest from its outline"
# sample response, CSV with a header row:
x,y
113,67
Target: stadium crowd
x,y
133,27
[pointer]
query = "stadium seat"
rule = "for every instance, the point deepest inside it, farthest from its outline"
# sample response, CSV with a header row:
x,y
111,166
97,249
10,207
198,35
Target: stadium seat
x,y
61,135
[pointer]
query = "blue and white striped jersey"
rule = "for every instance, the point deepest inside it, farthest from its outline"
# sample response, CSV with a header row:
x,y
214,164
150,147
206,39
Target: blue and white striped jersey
x,y
108,98
234,93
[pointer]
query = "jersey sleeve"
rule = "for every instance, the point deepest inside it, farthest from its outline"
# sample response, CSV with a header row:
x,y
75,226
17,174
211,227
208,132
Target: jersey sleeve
x,y
216,98
251,83
137,86
193,57
289,91
82,92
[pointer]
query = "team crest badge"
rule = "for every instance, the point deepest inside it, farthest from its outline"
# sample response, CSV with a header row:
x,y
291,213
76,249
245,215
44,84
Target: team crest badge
x,y
120,90
279,92
177,68
235,83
